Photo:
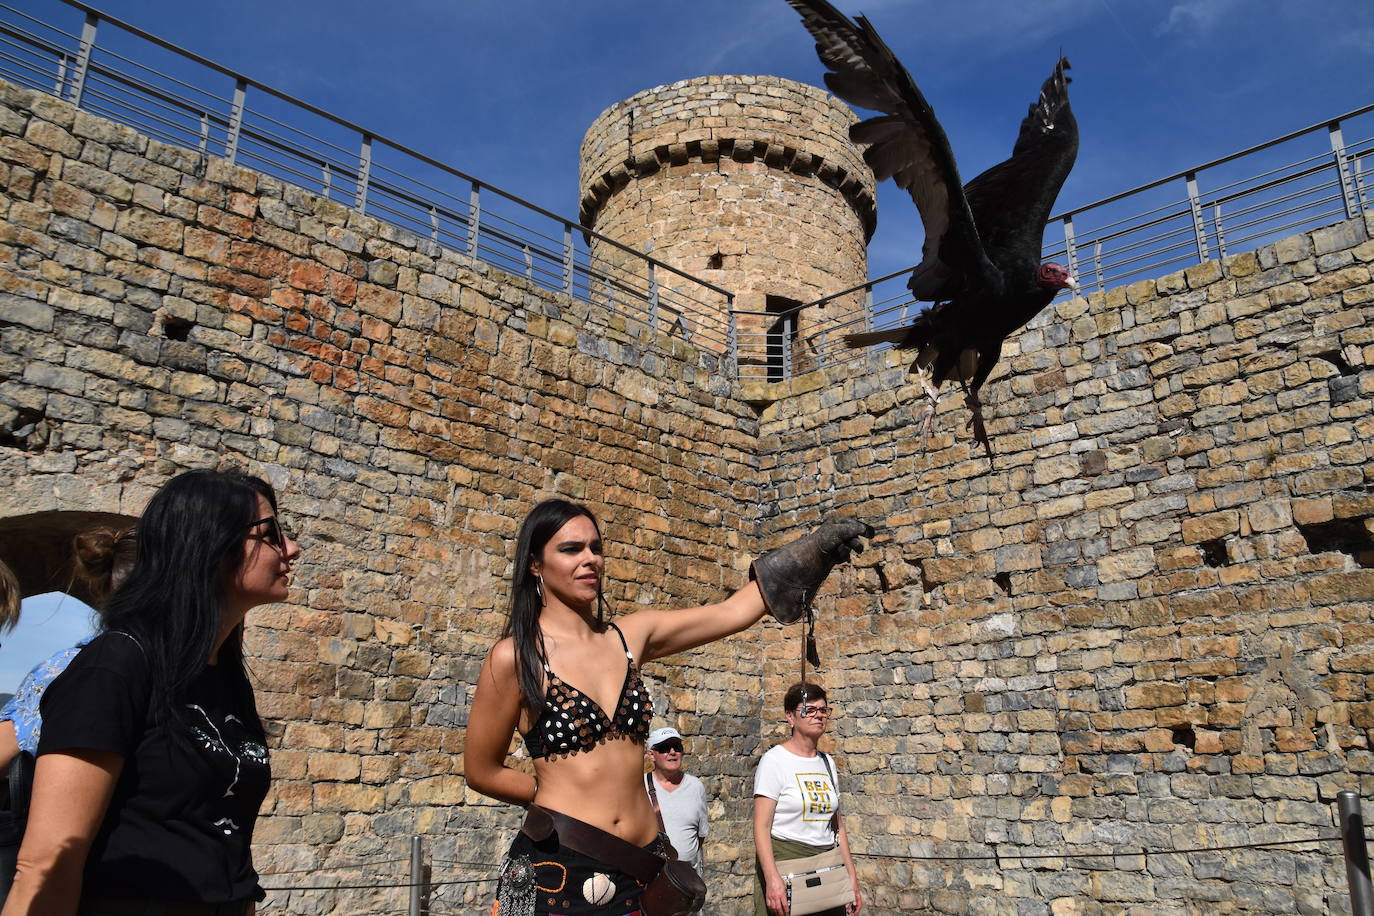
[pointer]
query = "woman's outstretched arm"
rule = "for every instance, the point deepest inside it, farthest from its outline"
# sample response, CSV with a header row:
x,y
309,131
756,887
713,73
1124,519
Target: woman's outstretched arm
x,y
668,632
784,583
492,720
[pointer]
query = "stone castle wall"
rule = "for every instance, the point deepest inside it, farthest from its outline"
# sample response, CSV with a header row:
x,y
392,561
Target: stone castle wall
x,y
1147,624
160,312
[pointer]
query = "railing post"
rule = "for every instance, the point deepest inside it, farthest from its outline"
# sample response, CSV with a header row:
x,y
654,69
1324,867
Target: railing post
x,y
1199,228
1097,266
732,336
417,876
653,297
868,308
328,174
1070,249
1352,203
59,88
231,151
434,223
787,325
364,174
1356,853
1221,235
474,217
83,59
204,148
567,258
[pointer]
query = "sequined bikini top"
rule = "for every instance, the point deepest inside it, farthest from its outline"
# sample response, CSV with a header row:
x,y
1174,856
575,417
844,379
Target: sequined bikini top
x,y
572,722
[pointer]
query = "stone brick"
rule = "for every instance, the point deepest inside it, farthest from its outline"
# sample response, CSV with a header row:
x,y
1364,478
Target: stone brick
x,y
151,229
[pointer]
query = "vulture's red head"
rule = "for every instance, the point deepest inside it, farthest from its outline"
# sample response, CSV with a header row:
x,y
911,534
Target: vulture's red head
x,y
1055,277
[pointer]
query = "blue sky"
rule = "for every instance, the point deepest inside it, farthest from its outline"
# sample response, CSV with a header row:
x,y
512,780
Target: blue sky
x,y
47,624
504,90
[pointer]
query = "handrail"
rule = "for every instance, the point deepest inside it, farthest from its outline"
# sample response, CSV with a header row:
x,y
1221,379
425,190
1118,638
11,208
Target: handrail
x,y
377,137
1293,135
404,187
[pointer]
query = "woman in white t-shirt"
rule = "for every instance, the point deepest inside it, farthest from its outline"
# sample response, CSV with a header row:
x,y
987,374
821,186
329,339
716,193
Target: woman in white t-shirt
x,y
796,803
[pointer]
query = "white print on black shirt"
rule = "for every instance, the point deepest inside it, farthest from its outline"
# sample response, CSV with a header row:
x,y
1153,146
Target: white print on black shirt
x,y
247,749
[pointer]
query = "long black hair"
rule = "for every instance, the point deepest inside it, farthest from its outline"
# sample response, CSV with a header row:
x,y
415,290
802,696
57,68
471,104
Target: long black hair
x,y
190,540
526,602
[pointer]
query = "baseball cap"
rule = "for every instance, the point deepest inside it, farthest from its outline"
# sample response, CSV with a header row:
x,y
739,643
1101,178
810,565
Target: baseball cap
x,y
660,735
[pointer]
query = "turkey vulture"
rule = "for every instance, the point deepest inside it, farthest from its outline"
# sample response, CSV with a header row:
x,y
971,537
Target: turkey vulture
x,y
980,261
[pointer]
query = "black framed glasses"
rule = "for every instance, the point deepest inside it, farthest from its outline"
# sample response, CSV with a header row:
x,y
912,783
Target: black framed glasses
x,y
669,746
817,712
275,534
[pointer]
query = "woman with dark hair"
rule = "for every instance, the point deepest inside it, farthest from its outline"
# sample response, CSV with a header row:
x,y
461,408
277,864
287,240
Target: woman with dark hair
x,y
567,679
151,764
797,804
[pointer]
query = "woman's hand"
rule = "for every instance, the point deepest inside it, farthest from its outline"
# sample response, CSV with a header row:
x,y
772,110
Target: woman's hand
x,y
858,904
775,893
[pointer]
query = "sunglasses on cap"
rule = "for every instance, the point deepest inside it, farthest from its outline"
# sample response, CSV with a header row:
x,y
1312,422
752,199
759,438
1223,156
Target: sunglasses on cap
x,y
275,534
669,746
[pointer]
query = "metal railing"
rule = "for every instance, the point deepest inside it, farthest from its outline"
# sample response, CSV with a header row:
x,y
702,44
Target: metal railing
x,y
1300,181
117,71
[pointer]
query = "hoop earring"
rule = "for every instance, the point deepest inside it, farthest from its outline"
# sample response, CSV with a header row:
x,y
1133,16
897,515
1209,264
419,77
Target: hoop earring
x,y
539,588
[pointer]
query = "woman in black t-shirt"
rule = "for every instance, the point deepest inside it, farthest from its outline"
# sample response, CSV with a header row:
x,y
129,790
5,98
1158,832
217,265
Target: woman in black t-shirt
x,y
152,766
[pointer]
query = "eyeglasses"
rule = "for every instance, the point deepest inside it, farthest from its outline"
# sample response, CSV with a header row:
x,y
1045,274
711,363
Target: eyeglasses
x,y
670,746
818,712
275,534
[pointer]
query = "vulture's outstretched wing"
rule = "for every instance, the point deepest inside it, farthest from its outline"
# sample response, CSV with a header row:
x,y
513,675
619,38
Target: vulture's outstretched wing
x,y
1011,201
907,145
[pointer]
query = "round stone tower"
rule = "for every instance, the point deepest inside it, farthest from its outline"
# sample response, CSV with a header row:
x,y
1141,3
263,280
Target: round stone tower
x,y
747,182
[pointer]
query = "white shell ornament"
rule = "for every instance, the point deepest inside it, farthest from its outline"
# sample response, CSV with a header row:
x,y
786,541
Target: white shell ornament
x,y
598,889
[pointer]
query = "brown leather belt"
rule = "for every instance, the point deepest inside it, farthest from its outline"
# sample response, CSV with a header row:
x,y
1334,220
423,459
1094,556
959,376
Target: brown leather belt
x,y
635,861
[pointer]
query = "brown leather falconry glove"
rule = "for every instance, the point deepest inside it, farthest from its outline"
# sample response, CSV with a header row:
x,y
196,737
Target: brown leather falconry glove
x,y
790,576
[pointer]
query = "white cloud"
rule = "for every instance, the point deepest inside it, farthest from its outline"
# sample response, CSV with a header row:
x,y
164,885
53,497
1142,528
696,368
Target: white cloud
x,y
1198,17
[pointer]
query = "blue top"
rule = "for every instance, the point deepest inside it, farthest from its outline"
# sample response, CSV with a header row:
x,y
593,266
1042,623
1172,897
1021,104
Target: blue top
x,y
22,708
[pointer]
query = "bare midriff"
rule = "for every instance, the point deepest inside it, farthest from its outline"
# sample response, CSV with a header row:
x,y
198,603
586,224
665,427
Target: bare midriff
x,y
603,787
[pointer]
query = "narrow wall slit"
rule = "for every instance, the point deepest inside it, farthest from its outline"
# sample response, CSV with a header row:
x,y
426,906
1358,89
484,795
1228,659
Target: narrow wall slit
x,y
1350,536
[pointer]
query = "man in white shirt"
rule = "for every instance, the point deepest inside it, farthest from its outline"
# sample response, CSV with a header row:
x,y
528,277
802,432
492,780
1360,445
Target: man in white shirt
x,y
681,796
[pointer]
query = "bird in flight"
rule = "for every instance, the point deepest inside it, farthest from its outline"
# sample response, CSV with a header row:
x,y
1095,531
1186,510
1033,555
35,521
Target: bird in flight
x,y
980,261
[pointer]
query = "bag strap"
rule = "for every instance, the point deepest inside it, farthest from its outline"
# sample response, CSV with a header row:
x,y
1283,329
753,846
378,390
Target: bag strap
x,y
653,799
835,784
669,850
